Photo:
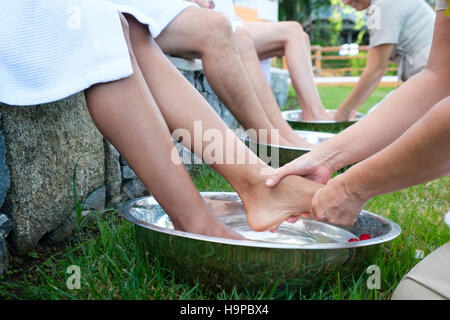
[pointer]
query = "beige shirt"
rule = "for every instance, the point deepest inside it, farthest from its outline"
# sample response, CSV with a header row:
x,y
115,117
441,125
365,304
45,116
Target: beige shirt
x,y
408,24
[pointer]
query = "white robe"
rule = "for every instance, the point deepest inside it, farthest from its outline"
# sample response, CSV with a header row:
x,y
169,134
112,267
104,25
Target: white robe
x,y
52,49
157,14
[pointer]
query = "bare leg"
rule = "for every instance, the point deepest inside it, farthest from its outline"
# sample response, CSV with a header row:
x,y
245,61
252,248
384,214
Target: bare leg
x,y
126,114
251,61
211,39
264,206
289,39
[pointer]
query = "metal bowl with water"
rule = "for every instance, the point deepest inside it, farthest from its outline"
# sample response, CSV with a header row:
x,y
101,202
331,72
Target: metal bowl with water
x,y
295,120
278,156
294,256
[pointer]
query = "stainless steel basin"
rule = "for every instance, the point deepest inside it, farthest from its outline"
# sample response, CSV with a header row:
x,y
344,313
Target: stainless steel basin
x,y
295,120
282,154
296,255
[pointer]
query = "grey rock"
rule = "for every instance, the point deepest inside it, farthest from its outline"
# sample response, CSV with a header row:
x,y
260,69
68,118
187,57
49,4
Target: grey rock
x,y
4,171
279,83
229,119
189,75
5,226
214,102
128,173
3,257
198,81
123,162
134,189
43,143
96,200
186,64
113,173
63,231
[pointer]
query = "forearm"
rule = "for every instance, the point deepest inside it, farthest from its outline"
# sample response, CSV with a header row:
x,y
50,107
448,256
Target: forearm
x,y
421,154
383,126
367,83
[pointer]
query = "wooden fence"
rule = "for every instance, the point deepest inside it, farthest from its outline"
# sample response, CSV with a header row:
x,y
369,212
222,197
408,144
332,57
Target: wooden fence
x,y
320,54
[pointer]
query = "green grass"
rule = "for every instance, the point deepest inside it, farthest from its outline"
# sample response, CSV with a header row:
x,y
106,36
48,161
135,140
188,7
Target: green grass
x,y
332,97
113,268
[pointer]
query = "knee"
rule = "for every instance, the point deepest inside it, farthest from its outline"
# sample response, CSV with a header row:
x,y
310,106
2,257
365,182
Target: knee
x,y
244,39
294,31
219,28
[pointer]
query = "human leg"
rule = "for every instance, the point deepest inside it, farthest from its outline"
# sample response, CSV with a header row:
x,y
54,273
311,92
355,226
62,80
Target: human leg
x,y
289,39
264,206
211,39
251,61
126,114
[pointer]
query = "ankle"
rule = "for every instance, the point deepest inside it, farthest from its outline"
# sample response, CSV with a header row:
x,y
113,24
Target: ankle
x,y
253,179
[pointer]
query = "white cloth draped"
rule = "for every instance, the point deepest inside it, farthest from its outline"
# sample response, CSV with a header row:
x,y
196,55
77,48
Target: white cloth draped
x,y
157,14
52,49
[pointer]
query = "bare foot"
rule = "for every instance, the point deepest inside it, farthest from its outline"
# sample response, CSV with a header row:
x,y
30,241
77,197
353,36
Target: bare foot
x,y
317,115
267,207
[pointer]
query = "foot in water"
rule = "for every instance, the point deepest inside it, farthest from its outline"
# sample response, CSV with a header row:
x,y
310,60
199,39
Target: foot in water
x,y
267,207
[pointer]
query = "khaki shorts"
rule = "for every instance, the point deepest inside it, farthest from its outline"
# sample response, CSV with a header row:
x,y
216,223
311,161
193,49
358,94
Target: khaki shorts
x,y
428,280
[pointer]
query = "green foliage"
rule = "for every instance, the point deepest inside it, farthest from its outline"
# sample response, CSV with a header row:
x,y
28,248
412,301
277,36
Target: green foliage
x,y
299,10
357,63
332,97
324,33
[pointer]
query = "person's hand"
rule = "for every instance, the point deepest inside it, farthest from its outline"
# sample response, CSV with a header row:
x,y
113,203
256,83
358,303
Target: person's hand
x,y
336,203
208,4
307,166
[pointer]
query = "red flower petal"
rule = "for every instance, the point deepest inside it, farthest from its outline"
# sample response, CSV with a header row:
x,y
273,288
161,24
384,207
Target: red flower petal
x,y
365,236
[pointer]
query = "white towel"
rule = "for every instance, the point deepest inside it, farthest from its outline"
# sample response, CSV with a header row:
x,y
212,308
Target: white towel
x,y
157,14
52,49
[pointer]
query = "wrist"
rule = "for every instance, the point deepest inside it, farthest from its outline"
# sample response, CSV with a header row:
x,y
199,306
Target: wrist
x,y
353,184
327,157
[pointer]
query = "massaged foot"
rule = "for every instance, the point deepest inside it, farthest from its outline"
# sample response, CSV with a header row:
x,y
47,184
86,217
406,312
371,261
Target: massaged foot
x,y
267,207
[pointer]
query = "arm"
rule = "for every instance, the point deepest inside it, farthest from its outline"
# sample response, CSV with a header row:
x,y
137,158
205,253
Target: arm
x,y
383,126
377,61
421,154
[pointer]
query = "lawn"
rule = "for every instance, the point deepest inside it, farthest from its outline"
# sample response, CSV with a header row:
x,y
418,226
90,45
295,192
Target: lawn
x,y
112,268
332,97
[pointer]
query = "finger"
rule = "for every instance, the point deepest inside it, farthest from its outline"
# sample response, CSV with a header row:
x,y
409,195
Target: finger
x,y
280,173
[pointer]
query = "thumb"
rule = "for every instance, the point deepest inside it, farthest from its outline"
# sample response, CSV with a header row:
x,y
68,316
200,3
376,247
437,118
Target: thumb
x,y
286,170
279,174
